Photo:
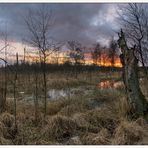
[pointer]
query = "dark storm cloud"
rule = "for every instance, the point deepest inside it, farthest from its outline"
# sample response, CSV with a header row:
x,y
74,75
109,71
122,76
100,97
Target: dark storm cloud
x,y
86,23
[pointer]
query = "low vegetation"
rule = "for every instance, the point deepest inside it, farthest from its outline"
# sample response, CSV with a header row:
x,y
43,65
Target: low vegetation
x,y
88,116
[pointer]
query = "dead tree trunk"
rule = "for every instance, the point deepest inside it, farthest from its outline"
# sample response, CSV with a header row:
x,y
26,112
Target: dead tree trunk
x,y
36,104
43,66
15,87
138,105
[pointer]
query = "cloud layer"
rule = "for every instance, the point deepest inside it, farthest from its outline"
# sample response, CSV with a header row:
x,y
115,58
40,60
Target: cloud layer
x,y
86,23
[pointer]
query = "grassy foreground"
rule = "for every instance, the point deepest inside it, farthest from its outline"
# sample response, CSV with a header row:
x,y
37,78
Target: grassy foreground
x,y
91,116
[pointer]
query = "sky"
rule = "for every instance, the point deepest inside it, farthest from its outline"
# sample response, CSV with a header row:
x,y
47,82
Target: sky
x,y
86,23
83,22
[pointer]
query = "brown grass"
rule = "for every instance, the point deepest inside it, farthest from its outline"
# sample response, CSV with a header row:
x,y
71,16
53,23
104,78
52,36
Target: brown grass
x,y
9,129
101,118
101,138
7,119
128,133
2,129
78,120
59,127
4,141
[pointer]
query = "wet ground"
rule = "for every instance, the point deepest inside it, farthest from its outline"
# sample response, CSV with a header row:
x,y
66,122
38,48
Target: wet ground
x,y
54,94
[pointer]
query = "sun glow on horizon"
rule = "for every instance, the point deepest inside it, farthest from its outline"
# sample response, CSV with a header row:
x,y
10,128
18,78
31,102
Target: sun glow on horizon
x,y
31,55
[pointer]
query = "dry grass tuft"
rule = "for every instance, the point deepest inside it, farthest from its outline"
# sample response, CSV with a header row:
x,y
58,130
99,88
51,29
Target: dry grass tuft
x,y
141,122
101,118
9,105
120,108
43,142
60,127
21,117
4,141
74,141
101,138
83,124
54,107
10,130
106,95
128,133
2,129
93,121
72,109
7,119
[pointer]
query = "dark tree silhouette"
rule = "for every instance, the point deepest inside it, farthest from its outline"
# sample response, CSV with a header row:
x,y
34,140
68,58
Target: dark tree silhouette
x,y
112,51
96,54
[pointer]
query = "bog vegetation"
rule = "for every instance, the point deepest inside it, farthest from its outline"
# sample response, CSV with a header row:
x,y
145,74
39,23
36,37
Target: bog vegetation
x,y
74,103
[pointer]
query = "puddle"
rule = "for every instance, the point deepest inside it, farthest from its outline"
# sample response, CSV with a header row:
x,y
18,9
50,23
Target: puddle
x,y
56,94
109,84
63,93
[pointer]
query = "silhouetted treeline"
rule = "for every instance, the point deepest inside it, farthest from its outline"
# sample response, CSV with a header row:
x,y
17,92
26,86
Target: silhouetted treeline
x,y
51,68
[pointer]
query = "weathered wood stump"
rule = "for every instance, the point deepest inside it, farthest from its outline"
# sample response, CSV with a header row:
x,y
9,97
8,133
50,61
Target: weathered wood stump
x,y
138,105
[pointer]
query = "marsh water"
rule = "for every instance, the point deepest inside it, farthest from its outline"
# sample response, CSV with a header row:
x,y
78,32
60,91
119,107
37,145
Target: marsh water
x,y
54,94
107,84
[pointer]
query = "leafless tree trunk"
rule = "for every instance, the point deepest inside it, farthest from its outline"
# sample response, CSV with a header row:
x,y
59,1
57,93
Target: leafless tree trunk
x,y
24,55
15,87
137,102
36,104
39,22
45,86
5,36
5,92
2,98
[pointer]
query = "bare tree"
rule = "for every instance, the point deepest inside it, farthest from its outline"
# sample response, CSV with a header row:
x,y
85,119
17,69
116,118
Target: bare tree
x,y
4,36
4,90
138,105
36,104
134,21
39,22
96,54
112,51
76,53
15,87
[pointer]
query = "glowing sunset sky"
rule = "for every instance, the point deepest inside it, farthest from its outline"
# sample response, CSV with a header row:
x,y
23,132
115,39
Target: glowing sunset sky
x,y
86,23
